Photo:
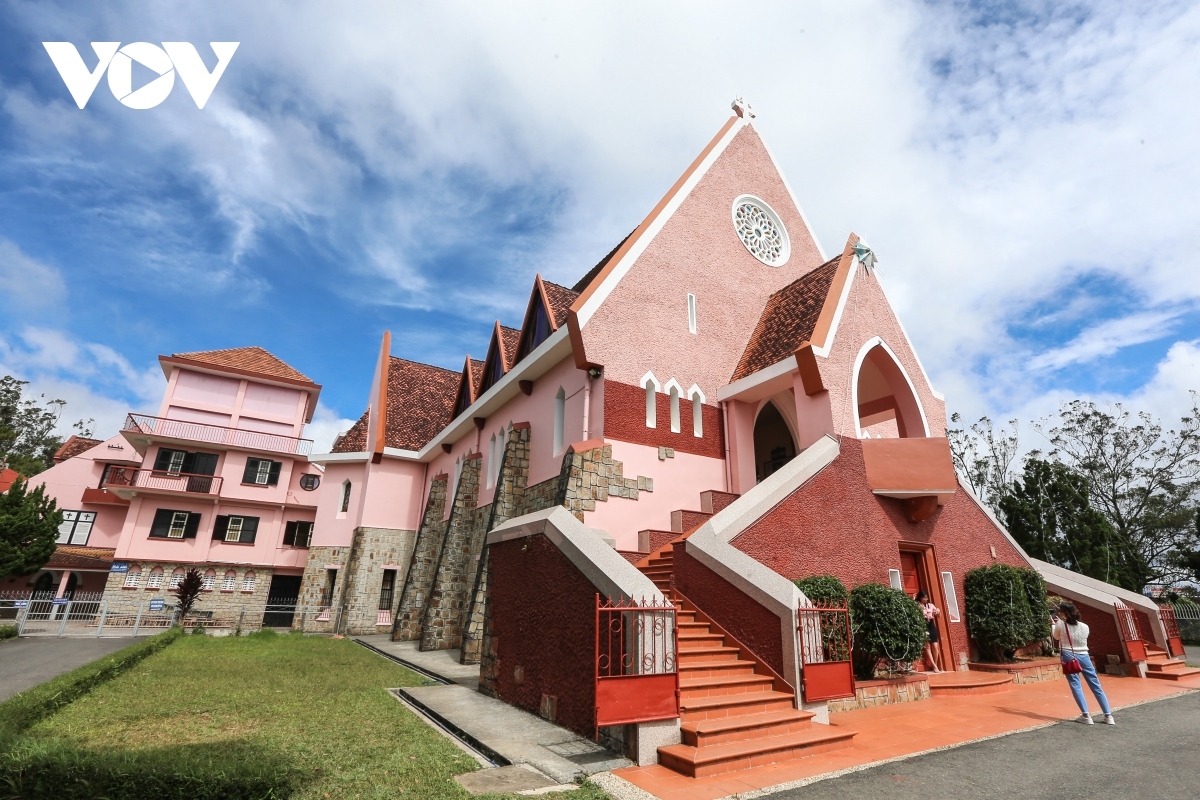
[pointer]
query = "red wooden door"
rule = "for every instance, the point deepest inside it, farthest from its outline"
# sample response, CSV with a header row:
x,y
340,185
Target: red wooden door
x,y
910,577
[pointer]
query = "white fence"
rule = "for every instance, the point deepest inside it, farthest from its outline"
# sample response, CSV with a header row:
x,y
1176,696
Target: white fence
x,y
87,614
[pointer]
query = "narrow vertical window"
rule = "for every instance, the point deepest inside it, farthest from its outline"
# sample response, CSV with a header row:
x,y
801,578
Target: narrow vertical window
x,y
651,403
491,465
345,496
560,419
674,409
697,415
951,596
691,313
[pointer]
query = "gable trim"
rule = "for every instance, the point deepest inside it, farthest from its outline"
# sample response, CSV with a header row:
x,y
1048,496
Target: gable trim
x,y
804,218
908,341
862,355
831,314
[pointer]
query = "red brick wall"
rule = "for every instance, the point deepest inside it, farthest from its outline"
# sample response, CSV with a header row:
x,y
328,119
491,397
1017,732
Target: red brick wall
x,y
741,616
625,421
834,524
543,620
1103,639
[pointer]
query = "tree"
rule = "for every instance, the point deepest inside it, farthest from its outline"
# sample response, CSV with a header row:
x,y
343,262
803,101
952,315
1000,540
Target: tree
x,y
983,457
1048,512
28,529
187,592
1005,609
27,438
1141,478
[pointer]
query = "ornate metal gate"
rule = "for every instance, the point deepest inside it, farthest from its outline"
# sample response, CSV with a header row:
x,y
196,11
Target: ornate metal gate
x,y
1174,639
825,646
636,675
1128,629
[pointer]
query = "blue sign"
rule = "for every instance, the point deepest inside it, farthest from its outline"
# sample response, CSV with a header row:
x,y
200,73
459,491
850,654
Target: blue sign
x,y
156,605
120,566
59,601
21,604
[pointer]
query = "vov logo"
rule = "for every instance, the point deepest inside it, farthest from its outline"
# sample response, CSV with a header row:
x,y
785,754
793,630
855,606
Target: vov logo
x,y
165,61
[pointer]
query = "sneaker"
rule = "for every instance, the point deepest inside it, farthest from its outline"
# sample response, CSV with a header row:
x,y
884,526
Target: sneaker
x,y
1085,719
1108,720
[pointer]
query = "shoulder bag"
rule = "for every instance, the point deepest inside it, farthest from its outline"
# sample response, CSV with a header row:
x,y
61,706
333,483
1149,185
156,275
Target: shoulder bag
x,y
1072,665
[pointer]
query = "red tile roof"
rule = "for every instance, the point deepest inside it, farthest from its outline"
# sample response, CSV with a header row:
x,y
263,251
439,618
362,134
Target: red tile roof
x,y
420,402
74,446
7,478
247,359
583,282
787,320
71,557
512,339
560,298
476,378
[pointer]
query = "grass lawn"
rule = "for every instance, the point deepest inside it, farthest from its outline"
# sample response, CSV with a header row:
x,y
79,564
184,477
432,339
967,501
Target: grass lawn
x,y
310,712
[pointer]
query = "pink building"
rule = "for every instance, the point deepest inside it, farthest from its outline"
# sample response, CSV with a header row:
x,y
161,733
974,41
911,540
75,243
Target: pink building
x,y
218,479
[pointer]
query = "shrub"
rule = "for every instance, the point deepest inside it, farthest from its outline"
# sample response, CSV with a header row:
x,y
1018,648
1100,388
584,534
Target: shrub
x,y
887,624
1006,609
822,589
8,632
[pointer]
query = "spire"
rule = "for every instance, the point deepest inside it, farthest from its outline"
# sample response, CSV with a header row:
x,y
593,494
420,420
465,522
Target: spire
x,y
742,108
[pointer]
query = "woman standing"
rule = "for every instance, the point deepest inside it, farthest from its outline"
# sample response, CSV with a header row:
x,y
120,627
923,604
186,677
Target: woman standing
x,y
933,646
1072,636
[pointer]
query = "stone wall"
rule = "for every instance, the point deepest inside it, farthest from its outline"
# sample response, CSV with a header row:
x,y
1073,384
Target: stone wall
x,y
120,600
371,551
590,476
418,581
868,694
312,589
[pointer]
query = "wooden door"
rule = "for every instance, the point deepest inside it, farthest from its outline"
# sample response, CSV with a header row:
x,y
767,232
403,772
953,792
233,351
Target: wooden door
x,y
910,576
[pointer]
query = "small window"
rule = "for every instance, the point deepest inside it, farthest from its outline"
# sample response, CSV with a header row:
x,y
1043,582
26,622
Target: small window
x,y
262,472
175,465
330,582
176,578
248,582
674,409
209,581
951,596
691,313
229,582
651,403
179,521
345,496
76,527
895,580
491,461
697,415
133,578
560,419
387,590
309,482
298,533
171,524
156,578
235,528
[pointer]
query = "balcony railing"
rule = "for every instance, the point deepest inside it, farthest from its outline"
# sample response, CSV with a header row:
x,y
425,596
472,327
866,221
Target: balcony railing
x,y
134,478
215,435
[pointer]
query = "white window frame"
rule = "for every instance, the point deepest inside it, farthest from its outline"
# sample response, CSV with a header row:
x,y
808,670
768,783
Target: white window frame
x,y
248,582
76,524
208,582
951,597
237,532
176,580
263,472
560,419
177,525
491,462
133,579
697,398
895,579
691,308
652,387
176,464
229,581
674,392
155,579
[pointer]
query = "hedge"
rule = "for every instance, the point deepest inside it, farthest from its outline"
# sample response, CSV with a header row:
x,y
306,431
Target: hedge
x,y
887,624
23,710
1006,609
822,589
8,632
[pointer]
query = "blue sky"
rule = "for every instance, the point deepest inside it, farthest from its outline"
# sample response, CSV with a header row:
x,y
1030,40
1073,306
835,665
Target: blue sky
x,y
1028,178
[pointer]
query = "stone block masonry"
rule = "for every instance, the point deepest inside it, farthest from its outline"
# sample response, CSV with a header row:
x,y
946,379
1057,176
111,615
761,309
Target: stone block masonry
x,y
590,476
314,586
372,550
121,600
421,568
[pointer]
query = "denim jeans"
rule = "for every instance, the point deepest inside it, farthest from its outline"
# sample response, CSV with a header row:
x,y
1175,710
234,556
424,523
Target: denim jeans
x,y
1089,674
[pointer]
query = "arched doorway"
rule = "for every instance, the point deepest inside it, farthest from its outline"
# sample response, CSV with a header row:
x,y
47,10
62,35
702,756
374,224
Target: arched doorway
x,y
773,442
886,405
45,585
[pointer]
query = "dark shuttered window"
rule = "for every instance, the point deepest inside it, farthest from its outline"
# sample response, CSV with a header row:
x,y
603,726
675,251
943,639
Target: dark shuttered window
x,y
173,524
262,472
235,528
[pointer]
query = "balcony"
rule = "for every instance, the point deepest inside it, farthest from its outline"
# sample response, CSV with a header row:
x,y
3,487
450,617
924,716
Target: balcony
x,y
141,429
127,479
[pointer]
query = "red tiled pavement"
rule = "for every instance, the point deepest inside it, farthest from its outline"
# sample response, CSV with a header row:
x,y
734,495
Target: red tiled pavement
x,y
907,728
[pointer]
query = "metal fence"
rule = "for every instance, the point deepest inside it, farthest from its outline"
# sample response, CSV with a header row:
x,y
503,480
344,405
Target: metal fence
x,y
87,614
1187,616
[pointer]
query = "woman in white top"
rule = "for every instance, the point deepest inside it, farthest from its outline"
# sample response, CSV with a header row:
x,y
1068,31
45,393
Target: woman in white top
x,y
1072,636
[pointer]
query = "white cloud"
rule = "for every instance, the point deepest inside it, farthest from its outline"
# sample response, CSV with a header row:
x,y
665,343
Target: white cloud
x,y
1106,339
29,283
325,427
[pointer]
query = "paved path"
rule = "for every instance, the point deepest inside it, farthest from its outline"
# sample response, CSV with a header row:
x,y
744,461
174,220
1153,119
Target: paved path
x,y
24,663
1150,754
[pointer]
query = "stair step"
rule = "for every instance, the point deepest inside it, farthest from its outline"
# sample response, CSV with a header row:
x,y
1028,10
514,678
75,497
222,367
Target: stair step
x,y
693,654
708,732
700,669
683,520
701,762
689,640
722,685
1166,666
729,705
1174,675
714,502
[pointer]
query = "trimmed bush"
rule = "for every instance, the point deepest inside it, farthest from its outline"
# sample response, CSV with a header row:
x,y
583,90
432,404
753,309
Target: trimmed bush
x,y
8,632
887,625
1006,610
822,589
25,709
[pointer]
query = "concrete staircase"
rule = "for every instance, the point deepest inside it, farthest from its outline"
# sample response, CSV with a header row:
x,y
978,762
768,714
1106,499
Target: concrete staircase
x,y
735,712
1161,666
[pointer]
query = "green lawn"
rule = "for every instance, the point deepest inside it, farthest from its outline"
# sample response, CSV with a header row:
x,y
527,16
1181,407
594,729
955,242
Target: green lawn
x,y
303,717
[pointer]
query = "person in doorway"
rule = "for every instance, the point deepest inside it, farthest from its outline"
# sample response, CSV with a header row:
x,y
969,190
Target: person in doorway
x,y
933,645
1071,634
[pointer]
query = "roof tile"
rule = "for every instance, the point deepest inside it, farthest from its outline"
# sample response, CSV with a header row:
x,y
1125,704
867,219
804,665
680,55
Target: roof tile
x,y
420,403
75,446
249,359
560,298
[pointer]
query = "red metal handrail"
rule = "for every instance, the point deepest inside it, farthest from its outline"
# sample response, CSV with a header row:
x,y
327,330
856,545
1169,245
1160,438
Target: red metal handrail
x,y
636,676
216,434
138,478
826,644
1127,627
1171,626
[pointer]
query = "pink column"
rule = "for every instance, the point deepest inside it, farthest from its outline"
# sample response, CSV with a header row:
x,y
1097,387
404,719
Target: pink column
x,y
62,584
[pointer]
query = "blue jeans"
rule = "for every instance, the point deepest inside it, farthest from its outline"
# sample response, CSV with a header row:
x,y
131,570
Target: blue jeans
x,y
1089,674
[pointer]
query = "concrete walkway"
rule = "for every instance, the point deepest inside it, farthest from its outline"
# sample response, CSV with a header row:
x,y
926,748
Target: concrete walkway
x,y
515,736
26,662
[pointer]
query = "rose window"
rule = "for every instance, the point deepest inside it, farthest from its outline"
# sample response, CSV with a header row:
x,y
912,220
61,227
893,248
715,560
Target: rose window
x,y
761,231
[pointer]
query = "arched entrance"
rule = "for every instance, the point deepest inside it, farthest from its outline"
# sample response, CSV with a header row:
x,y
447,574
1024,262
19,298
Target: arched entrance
x,y
886,405
773,442
45,585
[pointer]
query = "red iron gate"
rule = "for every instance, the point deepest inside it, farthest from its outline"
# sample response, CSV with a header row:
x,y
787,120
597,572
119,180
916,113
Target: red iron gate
x,y
1174,639
1128,629
636,675
825,647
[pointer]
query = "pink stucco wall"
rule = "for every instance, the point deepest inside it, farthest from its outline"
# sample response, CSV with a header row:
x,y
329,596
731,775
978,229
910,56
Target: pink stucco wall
x,y
66,482
234,402
393,495
332,527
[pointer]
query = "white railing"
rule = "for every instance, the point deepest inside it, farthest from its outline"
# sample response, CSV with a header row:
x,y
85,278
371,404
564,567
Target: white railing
x,y
215,434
